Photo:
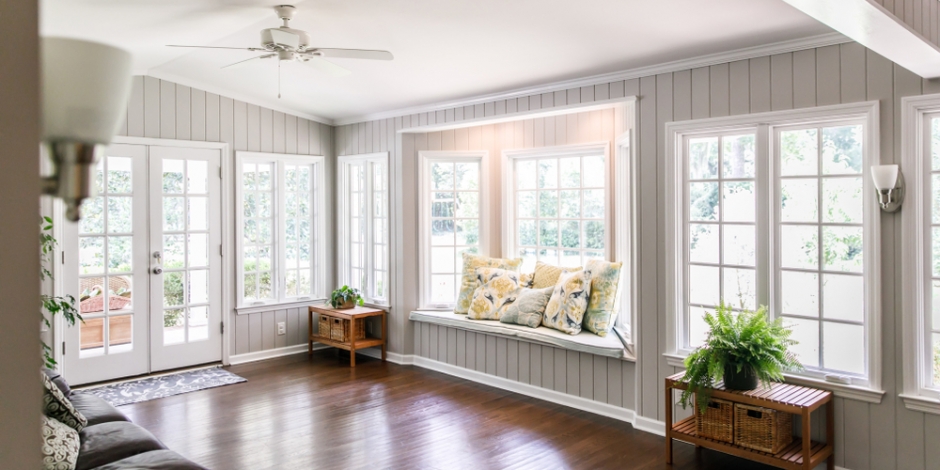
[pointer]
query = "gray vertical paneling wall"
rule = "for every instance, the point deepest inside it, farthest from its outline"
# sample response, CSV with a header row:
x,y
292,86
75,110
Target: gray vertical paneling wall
x,y
883,436
163,109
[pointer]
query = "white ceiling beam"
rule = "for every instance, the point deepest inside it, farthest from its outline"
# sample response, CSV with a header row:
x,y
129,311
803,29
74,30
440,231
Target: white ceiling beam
x,y
874,27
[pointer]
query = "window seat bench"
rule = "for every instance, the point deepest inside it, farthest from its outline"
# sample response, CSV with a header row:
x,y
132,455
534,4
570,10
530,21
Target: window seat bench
x,y
610,346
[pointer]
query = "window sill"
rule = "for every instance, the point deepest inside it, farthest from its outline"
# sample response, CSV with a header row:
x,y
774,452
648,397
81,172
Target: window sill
x,y
921,403
249,309
852,392
609,346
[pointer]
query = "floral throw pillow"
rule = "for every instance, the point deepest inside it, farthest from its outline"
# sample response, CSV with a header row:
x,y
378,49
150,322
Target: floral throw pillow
x,y
497,287
526,307
469,283
55,405
565,310
605,291
546,275
60,445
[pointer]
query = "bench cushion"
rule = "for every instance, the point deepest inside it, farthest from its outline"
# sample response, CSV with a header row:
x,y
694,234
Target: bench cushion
x,y
157,459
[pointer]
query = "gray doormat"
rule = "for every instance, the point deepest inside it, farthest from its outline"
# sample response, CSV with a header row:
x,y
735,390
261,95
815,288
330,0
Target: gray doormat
x,y
135,391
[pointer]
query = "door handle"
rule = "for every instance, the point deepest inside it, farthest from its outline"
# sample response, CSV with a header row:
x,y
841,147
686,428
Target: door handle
x,y
158,270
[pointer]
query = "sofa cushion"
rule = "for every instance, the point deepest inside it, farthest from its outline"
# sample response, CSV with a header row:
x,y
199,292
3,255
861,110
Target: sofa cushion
x,y
527,307
489,298
95,409
565,309
109,442
60,444
469,282
56,405
58,380
157,459
605,292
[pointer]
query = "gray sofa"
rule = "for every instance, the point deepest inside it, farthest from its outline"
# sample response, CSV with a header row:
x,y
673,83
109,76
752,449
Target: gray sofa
x,y
111,442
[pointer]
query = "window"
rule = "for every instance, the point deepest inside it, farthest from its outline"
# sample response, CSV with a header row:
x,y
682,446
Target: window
x,y
364,225
921,252
780,214
559,207
279,228
452,207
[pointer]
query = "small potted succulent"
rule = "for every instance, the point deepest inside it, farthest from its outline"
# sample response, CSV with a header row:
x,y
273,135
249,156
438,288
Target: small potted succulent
x,y
345,297
741,349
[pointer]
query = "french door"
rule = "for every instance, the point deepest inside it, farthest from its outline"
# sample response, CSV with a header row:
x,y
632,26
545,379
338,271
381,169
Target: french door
x,y
144,264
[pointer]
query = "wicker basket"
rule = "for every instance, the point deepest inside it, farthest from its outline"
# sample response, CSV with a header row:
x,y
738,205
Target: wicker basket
x,y
324,326
338,329
717,422
762,429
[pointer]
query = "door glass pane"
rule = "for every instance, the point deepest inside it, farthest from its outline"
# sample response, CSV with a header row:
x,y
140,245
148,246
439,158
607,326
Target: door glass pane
x,y
120,334
174,254
198,286
119,175
174,326
91,255
198,216
197,177
120,253
173,215
198,323
173,176
173,289
92,216
91,333
120,215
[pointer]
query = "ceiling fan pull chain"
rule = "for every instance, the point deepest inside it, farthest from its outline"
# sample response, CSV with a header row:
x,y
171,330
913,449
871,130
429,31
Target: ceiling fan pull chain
x,y
278,79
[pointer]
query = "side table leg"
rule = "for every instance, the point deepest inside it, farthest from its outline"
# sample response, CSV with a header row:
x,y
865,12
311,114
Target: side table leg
x,y
831,433
309,332
352,355
668,423
807,439
384,336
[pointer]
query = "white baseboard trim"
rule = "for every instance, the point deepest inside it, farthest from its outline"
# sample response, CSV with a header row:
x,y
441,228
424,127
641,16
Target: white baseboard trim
x,y
394,358
272,353
579,403
650,425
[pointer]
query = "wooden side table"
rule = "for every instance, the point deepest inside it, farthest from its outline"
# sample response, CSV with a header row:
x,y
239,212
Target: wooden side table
x,y
350,315
802,453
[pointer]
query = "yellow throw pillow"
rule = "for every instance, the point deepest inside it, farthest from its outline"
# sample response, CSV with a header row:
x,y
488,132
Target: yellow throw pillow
x,y
546,275
469,283
605,292
496,290
565,310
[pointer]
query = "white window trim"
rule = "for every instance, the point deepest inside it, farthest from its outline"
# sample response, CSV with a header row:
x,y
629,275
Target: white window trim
x,y
342,186
618,212
319,251
915,252
424,220
675,210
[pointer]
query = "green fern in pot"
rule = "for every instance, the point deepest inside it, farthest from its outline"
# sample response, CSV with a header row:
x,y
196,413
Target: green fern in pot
x,y
741,349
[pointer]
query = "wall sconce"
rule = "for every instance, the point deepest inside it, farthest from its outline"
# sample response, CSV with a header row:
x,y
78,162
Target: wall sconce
x,y
85,88
889,182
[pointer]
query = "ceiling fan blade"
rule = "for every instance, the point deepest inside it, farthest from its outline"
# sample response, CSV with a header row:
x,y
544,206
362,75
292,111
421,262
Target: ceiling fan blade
x,y
242,62
220,47
325,66
352,53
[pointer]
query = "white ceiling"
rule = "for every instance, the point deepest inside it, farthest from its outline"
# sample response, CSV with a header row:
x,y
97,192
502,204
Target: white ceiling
x,y
444,49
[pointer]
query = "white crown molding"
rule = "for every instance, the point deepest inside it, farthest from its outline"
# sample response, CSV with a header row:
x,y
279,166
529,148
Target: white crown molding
x,y
277,106
629,74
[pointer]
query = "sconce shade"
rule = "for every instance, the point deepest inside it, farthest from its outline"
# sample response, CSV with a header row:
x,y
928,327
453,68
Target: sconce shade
x,y
884,176
85,88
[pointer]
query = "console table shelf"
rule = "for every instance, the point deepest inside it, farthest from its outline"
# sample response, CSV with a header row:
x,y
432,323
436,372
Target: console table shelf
x,y
802,453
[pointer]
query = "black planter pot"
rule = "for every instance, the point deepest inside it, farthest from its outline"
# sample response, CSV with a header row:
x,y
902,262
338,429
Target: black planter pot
x,y
744,380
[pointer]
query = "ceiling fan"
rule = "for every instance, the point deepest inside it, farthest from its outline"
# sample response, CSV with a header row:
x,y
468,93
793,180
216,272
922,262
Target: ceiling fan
x,y
288,44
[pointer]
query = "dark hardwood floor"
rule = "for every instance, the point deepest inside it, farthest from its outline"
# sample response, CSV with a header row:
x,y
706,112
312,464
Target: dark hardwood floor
x,y
298,413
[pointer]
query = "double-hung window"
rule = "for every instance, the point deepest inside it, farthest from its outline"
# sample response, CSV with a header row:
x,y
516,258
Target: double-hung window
x,y
364,225
921,252
452,189
279,228
777,210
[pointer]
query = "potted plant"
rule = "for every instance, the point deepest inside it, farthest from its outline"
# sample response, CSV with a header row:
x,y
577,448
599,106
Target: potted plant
x,y
742,349
345,297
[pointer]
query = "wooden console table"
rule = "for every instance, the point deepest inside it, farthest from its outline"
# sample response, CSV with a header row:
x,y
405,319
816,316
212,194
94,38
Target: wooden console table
x,y
352,315
800,454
